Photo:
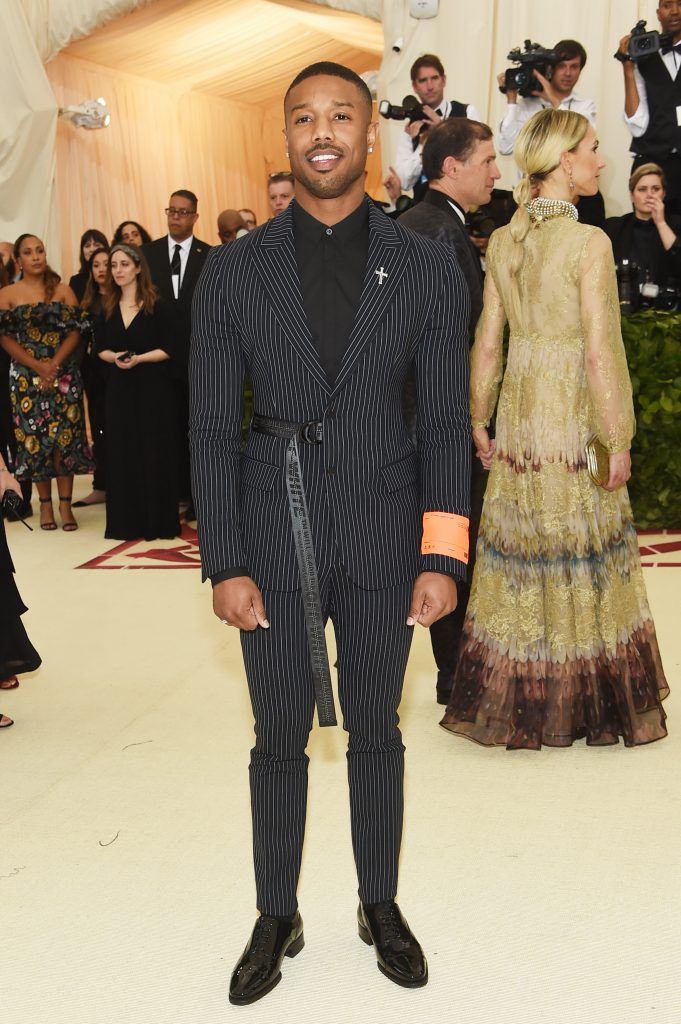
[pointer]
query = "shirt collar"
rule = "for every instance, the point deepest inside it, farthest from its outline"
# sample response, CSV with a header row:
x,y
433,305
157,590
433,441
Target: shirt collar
x,y
457,209
185,246
308,227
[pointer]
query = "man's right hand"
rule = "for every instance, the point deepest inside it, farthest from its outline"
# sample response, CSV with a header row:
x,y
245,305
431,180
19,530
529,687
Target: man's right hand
x,y
624,48
511,94
412,128
238,602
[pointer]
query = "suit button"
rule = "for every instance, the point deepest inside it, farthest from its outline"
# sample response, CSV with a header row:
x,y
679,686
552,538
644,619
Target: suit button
x,y
330,470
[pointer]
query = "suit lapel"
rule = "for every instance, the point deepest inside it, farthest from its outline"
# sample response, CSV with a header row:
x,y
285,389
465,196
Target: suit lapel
x,y
195,259
275,262
385,268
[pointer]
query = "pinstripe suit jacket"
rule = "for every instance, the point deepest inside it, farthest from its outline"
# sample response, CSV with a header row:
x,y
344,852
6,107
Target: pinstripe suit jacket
x,y
366,487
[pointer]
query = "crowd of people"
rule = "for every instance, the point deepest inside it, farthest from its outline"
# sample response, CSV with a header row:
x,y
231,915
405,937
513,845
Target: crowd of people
x,y
118,333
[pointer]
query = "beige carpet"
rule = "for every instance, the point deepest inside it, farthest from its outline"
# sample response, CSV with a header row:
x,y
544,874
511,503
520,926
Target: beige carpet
x,y
543,886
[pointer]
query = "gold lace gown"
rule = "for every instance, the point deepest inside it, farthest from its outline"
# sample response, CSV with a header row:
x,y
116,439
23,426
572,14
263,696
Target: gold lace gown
x,y
558,643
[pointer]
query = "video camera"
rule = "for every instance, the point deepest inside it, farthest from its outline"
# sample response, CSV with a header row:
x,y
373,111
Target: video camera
x,y
644,44
411,110
533,58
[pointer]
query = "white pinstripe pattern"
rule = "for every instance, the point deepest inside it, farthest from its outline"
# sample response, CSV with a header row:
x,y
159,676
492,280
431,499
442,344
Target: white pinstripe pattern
x,y
365,514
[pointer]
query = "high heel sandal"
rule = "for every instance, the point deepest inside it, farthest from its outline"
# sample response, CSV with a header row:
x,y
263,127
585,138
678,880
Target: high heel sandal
x,y
49,525
10,683
72,525
5,722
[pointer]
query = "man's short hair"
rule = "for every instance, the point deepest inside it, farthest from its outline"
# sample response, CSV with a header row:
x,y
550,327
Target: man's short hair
x,y
329,67
278,176
568,49
428,60
641,172
455,136
186,194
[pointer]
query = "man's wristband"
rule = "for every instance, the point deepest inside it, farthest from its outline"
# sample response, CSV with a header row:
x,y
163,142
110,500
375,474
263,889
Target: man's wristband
x,y
623,58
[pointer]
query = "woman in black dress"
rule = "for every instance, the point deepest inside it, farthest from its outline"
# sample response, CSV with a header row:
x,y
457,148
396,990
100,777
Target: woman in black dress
x,y
141,487
17,653
90,240
648,237
95,375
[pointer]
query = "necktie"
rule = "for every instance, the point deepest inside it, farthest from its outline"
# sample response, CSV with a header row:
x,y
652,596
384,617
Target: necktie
x,y
175,264
438,111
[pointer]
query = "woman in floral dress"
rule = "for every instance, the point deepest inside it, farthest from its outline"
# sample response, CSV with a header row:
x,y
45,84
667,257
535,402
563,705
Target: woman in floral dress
x,y
40,325
558,643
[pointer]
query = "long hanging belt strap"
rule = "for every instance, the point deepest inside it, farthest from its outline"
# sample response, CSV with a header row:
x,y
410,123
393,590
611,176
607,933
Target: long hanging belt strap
x,y
310,433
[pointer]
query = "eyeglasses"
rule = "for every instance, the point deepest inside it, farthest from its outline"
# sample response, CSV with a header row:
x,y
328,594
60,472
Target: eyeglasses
x,y
172,211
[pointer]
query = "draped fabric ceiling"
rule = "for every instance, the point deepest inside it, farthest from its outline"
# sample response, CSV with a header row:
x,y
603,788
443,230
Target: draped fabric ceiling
x,y
195,89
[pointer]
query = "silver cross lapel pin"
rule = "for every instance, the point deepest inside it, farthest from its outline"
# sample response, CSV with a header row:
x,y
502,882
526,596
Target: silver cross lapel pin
x,y
382,274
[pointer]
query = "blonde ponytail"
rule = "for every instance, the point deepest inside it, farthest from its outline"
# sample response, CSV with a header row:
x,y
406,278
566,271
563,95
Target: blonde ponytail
x,y
538,149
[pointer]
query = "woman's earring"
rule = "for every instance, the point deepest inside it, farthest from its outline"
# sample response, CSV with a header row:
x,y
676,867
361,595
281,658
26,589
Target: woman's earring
x,y
571,182
371,149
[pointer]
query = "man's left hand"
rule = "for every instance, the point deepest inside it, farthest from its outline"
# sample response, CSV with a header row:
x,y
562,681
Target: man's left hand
x,y
433,596
547,92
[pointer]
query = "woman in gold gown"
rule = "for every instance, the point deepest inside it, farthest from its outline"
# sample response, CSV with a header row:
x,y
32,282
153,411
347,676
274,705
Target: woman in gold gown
x,y
559,643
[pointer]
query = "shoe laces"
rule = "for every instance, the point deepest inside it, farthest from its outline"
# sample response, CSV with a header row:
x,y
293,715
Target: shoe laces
x,y
391,922
262,936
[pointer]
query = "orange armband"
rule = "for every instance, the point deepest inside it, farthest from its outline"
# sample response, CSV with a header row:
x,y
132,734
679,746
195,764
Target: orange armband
x,y
445,533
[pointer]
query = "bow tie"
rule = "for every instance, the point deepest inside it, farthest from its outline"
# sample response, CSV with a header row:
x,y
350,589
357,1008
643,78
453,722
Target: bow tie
x,y
669,47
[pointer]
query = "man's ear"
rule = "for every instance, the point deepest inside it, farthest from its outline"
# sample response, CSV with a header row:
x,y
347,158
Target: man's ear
x,y
450,167
372,134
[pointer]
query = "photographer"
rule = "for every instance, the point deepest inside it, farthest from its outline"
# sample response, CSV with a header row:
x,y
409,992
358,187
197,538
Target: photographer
x,y
645,237
652,102
460,163
428,80
560,94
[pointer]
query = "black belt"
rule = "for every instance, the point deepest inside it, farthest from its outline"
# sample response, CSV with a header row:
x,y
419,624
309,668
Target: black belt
x,y
311,433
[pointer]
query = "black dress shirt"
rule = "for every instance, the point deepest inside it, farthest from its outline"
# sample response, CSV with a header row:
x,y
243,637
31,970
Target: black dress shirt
x,y
331,267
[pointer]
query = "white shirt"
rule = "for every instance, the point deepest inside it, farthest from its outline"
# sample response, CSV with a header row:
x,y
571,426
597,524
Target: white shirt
x,y
518,113
409,161
184,256
457,211
638,123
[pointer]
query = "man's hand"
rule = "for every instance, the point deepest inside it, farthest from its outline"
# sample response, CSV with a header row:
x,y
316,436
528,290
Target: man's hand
x,y
432,115
547,92
393,186
620,470
433,596
238,602
413,128
624,46
511,94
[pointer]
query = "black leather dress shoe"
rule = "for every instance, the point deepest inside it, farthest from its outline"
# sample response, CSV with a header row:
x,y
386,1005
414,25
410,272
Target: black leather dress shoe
x,y
398,953
445,681
259,969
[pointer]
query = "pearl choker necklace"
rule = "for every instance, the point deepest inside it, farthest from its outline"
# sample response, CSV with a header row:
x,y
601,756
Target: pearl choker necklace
x,y
546,209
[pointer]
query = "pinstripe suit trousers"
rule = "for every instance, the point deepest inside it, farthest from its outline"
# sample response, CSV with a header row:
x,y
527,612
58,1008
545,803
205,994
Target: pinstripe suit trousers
x,y
373,644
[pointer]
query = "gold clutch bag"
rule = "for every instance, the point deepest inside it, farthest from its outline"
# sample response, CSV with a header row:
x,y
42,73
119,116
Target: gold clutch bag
x,y
597,461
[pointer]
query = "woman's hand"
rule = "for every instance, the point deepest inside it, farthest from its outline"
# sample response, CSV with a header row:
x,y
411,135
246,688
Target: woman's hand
x,y
620,470
128,363
656,207
8,482
47,373
484,448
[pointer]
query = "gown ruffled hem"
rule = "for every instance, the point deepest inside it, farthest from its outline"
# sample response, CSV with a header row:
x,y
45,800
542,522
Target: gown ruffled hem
x,y
500,701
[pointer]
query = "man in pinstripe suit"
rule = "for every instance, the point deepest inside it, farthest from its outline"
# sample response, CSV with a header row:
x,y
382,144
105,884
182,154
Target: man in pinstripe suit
x,y
328,512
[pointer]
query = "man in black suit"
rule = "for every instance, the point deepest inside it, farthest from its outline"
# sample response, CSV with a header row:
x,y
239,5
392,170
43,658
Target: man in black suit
x,y
328,512
460,163
175,262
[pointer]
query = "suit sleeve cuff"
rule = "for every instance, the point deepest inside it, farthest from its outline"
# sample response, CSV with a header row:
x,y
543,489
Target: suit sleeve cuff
x,y
228,574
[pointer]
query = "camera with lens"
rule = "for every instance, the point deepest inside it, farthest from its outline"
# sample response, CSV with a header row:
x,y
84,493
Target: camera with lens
x,y
532,58
410,110
638,291
643,44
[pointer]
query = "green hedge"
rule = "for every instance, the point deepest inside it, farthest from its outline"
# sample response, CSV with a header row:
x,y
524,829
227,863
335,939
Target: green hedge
x,y
653,345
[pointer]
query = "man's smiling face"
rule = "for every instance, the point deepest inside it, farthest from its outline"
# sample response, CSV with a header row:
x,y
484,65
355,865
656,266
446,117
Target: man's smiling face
x,y
329,130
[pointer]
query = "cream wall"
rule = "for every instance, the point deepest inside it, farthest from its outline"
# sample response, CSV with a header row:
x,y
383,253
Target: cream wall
x,y
473,37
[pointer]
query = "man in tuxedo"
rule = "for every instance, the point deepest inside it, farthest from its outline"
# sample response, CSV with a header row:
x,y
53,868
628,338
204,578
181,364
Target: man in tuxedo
x,y
460,163
175,262
328,512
